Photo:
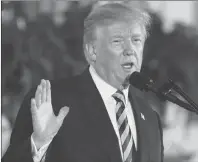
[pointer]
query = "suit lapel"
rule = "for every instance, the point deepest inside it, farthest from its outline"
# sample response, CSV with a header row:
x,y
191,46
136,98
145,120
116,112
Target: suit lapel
x,y
102,126
99,118
142,154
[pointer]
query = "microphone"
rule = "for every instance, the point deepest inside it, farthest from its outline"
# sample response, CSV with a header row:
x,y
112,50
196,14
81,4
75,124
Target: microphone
x,y
143,83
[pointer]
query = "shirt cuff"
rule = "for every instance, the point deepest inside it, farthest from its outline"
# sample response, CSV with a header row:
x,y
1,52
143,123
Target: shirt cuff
x,y
38,154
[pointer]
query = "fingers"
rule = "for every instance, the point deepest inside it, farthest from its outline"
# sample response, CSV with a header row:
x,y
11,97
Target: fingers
x,y
48,91
33,107
38,96
62,114
43,93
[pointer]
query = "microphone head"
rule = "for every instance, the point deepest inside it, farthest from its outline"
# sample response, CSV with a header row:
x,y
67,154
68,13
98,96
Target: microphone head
x,y
139,81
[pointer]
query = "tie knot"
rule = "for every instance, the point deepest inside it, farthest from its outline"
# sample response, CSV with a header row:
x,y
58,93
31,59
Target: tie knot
x,y
119,96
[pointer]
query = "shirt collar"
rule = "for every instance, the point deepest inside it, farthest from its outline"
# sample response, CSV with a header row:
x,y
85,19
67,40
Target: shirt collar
x,y
105,89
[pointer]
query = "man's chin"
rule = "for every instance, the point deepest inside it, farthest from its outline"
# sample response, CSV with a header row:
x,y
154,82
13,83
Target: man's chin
x,y
125,82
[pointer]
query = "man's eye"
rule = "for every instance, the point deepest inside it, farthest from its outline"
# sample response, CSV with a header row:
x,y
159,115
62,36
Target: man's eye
x,y
116,41
137,40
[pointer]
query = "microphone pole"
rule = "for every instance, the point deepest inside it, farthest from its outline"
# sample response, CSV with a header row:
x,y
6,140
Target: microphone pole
x,y
171,85
164,93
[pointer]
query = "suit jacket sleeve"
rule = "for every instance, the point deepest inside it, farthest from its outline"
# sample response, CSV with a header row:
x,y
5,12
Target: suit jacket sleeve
x,y
20,142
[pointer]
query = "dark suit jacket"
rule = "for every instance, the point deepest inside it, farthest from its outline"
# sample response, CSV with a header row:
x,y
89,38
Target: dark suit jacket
x,y
87,134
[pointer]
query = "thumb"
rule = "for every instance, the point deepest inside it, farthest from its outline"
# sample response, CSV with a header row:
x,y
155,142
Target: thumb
x,y
62,114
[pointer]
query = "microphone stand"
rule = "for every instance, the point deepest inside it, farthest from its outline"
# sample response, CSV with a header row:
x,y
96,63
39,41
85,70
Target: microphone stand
x,y
164,92
183,94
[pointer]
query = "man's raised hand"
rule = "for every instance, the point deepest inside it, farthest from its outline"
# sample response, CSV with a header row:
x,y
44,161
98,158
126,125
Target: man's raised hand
x,y
45,123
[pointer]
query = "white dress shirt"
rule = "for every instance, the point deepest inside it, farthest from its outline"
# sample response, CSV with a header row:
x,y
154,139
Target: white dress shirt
x,y
106,91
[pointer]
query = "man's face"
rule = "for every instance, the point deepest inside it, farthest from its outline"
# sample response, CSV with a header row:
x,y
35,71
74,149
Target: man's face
x,y
118,49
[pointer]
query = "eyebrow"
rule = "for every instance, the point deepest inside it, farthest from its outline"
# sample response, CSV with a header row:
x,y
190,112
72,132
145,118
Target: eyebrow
x,y
117,36
136,34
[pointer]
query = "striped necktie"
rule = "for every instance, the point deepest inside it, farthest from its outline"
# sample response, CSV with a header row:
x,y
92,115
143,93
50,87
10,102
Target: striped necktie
x,y
124,129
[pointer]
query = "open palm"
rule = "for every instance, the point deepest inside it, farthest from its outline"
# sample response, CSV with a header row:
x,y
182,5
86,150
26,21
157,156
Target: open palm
x,y
45,123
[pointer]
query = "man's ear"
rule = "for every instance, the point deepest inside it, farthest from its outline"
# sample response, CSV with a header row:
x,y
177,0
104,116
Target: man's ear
x,y
91,51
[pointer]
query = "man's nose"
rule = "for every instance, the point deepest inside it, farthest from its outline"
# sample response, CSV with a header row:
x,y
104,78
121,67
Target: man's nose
x,y
129,48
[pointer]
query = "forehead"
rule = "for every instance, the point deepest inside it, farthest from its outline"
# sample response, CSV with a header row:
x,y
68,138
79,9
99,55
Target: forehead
x,y
123,29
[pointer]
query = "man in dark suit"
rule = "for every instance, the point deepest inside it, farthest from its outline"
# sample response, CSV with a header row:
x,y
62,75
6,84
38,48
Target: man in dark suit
x,y
96,116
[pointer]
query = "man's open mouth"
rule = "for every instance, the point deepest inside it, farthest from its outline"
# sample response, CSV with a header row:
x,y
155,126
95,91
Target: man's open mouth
x,y
127,65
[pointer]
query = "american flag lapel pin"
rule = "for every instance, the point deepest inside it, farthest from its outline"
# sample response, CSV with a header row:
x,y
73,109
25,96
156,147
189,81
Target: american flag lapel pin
x,y
142,116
